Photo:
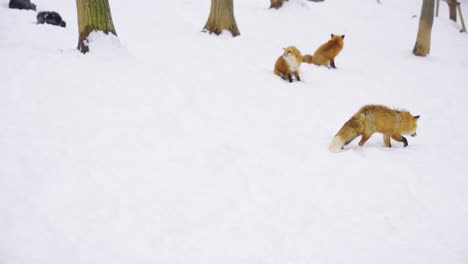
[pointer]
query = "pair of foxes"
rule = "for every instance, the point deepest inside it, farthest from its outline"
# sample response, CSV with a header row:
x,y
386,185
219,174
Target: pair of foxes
x,y
288,63
369,119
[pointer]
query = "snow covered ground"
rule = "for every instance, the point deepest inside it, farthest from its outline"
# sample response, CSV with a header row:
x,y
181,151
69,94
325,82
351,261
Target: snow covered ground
x,y
169,145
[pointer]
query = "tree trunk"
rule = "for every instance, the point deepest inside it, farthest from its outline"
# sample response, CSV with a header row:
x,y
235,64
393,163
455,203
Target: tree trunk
x,y
277,3
461,18
93,15
423,41
222,18
452,9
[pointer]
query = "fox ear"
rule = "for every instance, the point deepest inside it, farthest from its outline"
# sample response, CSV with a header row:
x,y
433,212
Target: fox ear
x,y
417,117
332,35
342,37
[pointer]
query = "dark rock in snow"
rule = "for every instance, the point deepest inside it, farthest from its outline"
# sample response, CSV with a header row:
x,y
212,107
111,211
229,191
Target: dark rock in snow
x,y
50,17
22,4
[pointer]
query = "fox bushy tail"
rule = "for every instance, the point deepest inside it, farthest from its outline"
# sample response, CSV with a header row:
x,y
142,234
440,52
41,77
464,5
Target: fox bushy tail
x,y
307,58
350,130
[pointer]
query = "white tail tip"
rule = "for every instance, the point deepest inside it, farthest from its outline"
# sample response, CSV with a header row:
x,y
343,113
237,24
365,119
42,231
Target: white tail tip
x,y
336,144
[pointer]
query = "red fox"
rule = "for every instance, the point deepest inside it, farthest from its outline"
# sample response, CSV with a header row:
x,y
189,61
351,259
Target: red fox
x,y
289,63
376,118
325,54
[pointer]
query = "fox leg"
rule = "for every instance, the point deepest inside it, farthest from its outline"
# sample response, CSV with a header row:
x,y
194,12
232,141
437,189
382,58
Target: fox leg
x,y
296,74
289,78
364,138
386,139
332,63
400,138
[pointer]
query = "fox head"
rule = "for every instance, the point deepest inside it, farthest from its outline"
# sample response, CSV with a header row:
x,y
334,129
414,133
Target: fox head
x,y
336,36
338,40
292,52
409,123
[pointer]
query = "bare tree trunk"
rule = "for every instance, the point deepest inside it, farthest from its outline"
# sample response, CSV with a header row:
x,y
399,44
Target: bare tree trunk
x,y
222,18
93,15
461,18
452,9
423,41
277,3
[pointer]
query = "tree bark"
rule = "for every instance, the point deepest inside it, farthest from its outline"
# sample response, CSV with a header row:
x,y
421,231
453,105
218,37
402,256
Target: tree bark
x,y
93,15
423,41
452,9
277,3
222,18
461,18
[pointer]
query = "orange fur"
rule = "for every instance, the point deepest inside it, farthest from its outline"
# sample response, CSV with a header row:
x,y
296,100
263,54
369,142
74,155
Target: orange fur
x,y
376,118
307,58
288,64
325,54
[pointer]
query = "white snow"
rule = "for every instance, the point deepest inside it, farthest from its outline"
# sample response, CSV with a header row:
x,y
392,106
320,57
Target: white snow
x,y
169,145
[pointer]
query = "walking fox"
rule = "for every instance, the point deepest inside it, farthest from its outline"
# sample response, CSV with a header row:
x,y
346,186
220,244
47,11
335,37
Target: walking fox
x,y
288,64
325,54
376,118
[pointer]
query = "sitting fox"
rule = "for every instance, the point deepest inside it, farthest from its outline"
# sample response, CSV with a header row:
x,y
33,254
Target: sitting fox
x,y
376,118
288,64
325,54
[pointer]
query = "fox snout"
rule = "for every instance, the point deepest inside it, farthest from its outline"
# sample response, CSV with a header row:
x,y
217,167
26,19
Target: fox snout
x,y
413,135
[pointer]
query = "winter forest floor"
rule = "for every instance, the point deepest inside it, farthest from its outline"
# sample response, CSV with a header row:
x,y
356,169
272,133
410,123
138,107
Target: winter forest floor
x,y
168,145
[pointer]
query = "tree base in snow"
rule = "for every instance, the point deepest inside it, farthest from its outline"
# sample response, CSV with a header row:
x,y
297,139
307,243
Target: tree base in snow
x,y
421,50
222,18
214,30
277,3
83,39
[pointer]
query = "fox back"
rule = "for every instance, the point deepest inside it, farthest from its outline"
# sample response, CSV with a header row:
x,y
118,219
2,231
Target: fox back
x,y
326,53
379,118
